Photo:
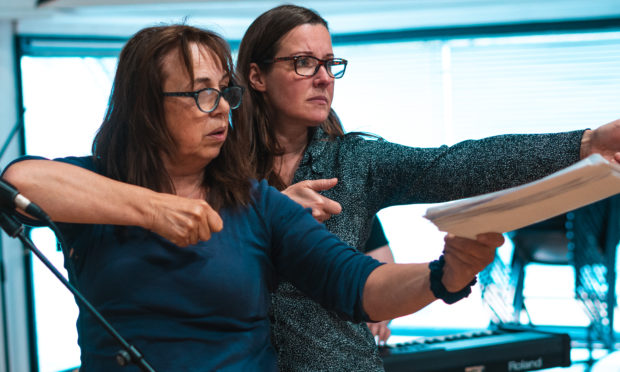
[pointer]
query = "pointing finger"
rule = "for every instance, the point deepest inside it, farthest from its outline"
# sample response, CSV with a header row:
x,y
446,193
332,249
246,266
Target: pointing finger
x,y
322,184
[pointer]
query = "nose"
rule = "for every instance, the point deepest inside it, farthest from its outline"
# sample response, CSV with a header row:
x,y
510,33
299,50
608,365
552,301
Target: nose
x,y
322,77
223,107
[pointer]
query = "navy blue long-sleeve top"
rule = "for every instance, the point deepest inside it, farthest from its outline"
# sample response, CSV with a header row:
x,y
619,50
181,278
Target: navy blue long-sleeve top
x,y
205,307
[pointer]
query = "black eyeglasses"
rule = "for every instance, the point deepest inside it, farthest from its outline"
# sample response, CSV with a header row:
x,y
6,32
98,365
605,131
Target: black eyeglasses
x,y
309,65
207,99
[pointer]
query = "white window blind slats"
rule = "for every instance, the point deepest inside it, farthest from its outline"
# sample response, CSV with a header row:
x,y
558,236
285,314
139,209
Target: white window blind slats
x,y
535,87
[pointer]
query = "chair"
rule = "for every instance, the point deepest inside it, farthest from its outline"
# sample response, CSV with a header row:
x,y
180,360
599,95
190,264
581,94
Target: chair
x,y
586,238
594,233
545,242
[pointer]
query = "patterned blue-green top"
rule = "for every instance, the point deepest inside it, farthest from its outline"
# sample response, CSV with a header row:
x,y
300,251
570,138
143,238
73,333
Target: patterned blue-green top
x,y
374,174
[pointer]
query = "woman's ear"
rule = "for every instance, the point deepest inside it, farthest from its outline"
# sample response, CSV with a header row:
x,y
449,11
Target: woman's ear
x,y
256,78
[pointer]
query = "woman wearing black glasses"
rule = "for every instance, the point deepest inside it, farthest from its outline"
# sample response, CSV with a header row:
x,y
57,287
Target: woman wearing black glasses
x,y
288,66
170,239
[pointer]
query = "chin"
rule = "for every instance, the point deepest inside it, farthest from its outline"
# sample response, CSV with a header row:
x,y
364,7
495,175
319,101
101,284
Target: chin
x,y
211,155
317,120
315,113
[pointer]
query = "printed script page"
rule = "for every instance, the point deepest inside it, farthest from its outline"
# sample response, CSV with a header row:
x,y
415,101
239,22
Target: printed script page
x,y
585,182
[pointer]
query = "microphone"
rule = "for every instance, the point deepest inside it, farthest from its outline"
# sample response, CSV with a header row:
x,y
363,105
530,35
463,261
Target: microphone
x,y
10,198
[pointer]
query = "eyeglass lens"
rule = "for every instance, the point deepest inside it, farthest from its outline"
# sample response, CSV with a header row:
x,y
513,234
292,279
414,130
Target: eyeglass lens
x,y
308,66
208,99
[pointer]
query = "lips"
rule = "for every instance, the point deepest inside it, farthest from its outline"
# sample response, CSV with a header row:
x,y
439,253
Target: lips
x,y
318,99
218,134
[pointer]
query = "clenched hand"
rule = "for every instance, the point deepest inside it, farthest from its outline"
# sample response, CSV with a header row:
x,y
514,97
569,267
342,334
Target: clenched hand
x,y
181,220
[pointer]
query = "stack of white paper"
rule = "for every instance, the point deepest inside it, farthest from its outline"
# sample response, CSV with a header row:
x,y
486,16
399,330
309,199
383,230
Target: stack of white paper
x,y
585,182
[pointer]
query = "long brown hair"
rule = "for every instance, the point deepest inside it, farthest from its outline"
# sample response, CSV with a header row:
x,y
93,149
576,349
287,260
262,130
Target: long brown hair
x,y
133,135
260,43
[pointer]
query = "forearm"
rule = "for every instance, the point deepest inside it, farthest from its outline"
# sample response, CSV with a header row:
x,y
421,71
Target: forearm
x,y
394,290
68,193
380,329
470,167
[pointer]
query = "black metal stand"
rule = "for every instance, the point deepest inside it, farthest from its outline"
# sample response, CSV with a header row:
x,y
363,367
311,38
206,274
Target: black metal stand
x,y
129,354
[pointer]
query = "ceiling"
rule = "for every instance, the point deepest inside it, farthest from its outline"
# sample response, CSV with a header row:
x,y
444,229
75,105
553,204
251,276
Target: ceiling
x,y
231,18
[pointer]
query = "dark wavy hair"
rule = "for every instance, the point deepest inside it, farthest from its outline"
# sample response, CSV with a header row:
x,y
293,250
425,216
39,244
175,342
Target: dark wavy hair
x,y
134,134
260,43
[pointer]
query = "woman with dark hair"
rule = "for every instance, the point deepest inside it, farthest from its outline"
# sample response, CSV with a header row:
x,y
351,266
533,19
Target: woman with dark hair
x,y
288,67
172,242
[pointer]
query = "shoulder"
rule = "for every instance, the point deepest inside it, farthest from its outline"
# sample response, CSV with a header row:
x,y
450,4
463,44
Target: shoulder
x,y
361,148
349,144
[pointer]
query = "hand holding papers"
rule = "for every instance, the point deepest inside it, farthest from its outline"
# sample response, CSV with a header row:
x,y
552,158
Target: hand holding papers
x,y
585,182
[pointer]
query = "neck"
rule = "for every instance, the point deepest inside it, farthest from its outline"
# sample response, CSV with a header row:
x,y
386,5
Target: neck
x,y
293,141
189,187
187,181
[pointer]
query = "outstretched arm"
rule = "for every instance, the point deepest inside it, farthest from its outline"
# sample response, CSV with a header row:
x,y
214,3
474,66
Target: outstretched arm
x,y
351,284
394,290
72,194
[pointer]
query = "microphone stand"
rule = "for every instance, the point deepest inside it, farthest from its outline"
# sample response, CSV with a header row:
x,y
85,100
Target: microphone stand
x,y
129,353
